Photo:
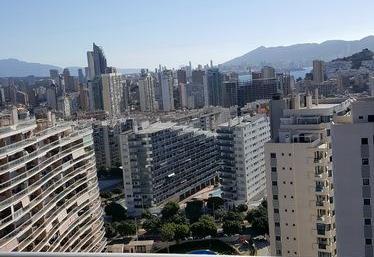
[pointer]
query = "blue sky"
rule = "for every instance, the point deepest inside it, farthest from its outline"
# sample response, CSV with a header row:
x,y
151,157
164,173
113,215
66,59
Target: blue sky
x,y
145,33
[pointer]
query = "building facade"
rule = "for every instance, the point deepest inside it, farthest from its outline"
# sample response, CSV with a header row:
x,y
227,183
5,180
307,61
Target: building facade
x,y
241,145
112,94
352,141
49,193
299,178
166,162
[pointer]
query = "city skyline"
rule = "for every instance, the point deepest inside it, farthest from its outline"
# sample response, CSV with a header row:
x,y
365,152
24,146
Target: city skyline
x,y
169,33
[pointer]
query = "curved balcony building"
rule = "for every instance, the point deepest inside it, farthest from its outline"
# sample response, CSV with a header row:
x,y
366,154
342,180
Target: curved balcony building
x,y
49,197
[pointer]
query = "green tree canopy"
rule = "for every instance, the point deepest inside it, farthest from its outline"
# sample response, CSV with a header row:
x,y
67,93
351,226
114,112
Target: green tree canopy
x,y
168,232
204,227
182,231
170,209
152,225
233,216
116,211
194,210
242,208
231,227
259,218
214,202
126,227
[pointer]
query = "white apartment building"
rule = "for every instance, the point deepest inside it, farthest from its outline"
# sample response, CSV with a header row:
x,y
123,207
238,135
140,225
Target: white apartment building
x,y
353,148
147,94
167,97
48,187
112,94
299,178
241,144
165,162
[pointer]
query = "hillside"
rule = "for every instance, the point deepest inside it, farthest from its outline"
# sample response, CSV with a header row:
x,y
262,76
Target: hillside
x,y
300,54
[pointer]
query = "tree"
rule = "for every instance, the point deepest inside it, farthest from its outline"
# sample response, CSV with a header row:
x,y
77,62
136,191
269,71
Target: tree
x,y
233,216
117,211
182,231
259,218
219,213
117,191
231,227
110,231
126,228
204,227
214,202
147,214
170,209
152,225
194,210
105,195
168,232
242,208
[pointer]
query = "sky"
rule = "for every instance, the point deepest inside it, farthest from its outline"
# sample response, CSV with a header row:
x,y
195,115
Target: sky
x,y
146,33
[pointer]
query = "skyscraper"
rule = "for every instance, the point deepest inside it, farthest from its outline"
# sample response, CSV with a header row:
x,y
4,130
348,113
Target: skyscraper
x,y
241,144
167,97
299,174
147,93
49,194
112,93
99,59
318,71
214,81
352,150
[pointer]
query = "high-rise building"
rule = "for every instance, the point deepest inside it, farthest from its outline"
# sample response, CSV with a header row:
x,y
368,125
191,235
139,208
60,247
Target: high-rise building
x,y
106,141
112,93
167,99
166,162
268,72
54,74
63,106
299,173
318,71
214,81
49,193
81,76
99,60
91,66
51,95
229,93
147,93
241,144
352,150
182,76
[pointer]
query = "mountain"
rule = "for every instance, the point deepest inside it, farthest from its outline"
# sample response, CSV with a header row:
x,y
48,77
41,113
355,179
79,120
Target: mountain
x,y
16,68
300,54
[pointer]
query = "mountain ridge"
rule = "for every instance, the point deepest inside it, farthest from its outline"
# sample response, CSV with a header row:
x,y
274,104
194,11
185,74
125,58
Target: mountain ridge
x,y
301,54
13,67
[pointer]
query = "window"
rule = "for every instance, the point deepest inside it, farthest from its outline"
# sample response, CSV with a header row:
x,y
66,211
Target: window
x,y
275,197
273,155
274,183
366,201
289,154
274,169
368,241
367,221
370,118
360,117
328,132
279,252
365,161
290,168
276,210
278,238
277,224
364,141
282,154
365,182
